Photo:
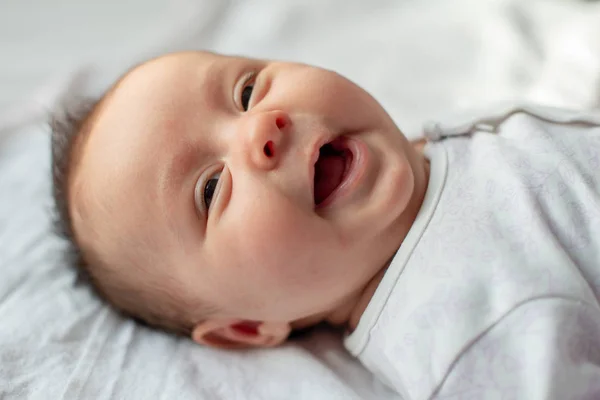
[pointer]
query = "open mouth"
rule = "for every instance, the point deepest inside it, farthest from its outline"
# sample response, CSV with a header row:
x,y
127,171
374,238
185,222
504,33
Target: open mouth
x,y
331,169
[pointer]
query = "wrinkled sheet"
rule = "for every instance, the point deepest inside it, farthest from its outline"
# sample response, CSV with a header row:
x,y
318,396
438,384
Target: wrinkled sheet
x,y
419,58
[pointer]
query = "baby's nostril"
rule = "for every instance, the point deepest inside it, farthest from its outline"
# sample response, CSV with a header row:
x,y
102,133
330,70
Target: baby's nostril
x,y
269,149
280,122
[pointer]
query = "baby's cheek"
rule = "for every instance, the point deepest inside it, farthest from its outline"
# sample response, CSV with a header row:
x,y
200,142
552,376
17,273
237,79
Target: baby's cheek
x,y
282,246
275,240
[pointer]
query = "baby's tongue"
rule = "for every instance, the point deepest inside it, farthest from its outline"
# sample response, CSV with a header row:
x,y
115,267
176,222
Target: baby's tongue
x,y
329,171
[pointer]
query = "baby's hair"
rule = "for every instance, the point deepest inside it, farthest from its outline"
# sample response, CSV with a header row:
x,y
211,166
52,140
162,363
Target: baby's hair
x,y
70,127
66,127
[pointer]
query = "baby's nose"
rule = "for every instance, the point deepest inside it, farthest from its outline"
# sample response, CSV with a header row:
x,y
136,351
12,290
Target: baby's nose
x,y
266,138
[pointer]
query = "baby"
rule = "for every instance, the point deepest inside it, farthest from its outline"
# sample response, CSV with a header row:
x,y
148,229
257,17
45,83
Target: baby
x,y
234,201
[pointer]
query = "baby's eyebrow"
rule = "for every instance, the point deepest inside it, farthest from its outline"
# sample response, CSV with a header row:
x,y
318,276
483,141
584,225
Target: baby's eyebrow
x,y
185,160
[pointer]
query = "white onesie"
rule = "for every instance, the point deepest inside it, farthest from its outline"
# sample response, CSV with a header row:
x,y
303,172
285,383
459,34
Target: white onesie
x,y
495,291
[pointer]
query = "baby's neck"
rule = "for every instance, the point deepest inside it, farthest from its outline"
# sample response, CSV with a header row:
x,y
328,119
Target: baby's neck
x,y
349,314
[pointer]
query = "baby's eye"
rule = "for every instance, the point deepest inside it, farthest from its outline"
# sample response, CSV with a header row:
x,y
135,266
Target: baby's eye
x,y
209,189
246,95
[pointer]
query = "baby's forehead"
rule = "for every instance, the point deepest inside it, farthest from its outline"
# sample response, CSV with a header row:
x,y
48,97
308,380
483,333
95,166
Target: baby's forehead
x,y
168,94
163,87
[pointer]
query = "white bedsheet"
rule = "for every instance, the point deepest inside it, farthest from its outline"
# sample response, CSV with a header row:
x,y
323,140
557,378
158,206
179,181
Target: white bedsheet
x,y
420,58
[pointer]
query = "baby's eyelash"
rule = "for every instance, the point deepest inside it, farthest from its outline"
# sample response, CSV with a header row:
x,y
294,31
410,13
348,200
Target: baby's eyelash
x,y
251,77
246,90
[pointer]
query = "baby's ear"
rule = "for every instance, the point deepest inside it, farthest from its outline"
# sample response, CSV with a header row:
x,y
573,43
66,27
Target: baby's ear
x,y
237,333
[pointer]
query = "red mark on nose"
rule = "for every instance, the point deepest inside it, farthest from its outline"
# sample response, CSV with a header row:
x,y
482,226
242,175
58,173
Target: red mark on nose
x,y
280,122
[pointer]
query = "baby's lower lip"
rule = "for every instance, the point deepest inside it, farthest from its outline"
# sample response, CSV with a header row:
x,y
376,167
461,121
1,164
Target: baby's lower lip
x,y
352,175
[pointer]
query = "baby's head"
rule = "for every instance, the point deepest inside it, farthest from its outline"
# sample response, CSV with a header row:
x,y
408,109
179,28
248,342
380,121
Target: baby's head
x,y
233,199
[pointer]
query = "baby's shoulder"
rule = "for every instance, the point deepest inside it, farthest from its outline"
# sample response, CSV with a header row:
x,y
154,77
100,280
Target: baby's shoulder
x,y
524,146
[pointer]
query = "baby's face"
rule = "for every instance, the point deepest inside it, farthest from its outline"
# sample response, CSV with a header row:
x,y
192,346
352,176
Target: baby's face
x,y
201,169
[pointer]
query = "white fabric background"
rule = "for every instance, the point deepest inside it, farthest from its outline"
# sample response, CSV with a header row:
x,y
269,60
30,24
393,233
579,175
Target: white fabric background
x,y
419,58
